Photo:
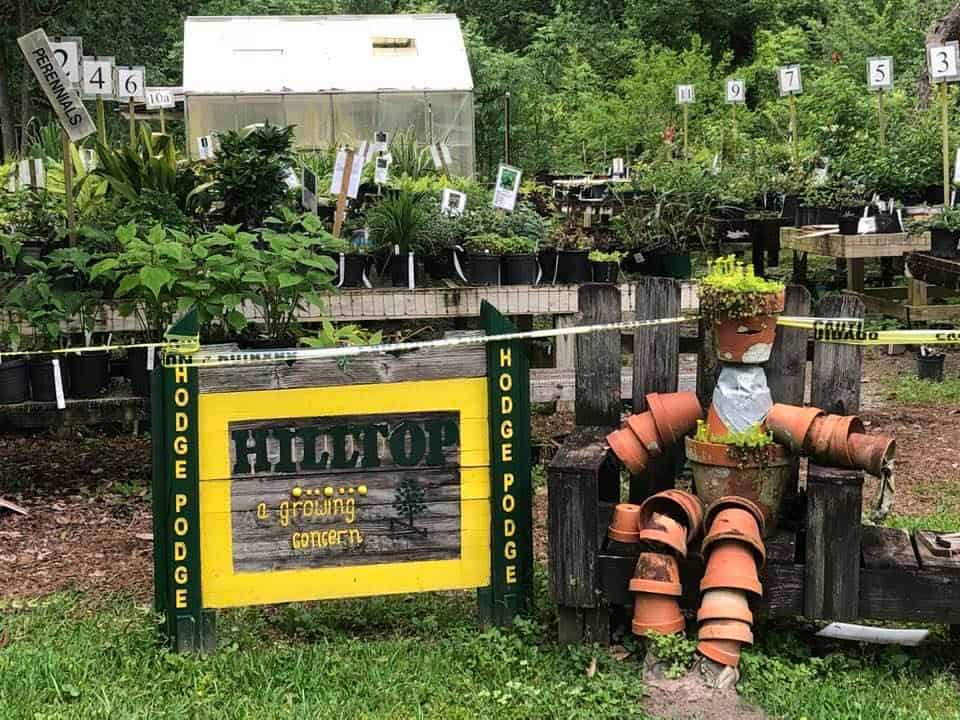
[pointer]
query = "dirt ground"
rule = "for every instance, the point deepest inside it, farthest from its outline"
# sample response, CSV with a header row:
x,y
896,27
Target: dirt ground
x,y
89,520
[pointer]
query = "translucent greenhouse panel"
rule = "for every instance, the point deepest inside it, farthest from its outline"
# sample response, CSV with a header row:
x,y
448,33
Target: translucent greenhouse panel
x,y
354,117
401,112
256,109
209,115
453,124
313,117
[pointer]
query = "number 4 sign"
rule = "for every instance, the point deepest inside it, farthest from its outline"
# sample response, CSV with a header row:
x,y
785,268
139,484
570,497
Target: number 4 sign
x,y
880,73
97,77
790,80
130,83
736,91
944,62
685,95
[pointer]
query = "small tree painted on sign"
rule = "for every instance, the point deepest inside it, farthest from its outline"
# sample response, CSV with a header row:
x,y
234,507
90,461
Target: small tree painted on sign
x,y
409,502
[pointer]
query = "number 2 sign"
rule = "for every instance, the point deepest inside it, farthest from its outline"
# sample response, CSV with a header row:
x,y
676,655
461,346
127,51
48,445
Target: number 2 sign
x,y
67,52
880,73
790,80
736,91
944,62
685,94
97,77
130,83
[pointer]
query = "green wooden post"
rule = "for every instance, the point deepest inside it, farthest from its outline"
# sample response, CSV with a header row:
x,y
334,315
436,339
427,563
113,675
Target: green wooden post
x,y
511,493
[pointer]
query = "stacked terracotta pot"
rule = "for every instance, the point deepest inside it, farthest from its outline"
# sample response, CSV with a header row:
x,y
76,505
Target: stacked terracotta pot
x,y
667,523
733,550
646,435
834,440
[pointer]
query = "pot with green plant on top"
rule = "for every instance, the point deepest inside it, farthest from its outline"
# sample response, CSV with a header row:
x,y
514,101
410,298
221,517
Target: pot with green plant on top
x,y
519,264
483,259
605,266
743,309
573,252
944,229
397,225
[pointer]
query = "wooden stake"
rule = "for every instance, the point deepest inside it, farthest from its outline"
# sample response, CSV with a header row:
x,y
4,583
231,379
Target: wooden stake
x,y
342,196
945,128
883,119
793,129
163,122
733,140
133,124
506,130
686,127
101,121
67,147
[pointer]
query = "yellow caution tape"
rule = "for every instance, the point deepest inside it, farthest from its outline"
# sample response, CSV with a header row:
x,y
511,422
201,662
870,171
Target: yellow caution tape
x,y
853,331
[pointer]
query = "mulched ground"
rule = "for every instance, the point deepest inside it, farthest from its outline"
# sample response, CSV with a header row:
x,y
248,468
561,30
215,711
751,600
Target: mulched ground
x,y
89,523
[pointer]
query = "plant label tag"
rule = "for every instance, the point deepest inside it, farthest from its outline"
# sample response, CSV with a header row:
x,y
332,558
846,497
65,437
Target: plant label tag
x,y
867,226
58,385
308,191
68,51
97,78
205,147
336,181
618,169
791,82
130,83
381,170
381,141
880,73
290,179
686,95
31,173
356,171
88,158
507,187
736,92
453,202
435,156
151,355
159,98
944,61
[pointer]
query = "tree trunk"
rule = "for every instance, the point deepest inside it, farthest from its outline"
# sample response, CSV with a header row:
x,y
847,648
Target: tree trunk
x,y
943,30
26,75
8,132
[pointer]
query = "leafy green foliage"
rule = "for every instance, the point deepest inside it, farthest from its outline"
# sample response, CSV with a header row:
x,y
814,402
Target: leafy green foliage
x,y
949,219
332,335
753,437
676,652
606,257
911,390
731,288
399,220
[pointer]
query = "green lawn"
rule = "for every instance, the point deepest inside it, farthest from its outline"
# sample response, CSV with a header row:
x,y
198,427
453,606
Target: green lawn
x,y
72,656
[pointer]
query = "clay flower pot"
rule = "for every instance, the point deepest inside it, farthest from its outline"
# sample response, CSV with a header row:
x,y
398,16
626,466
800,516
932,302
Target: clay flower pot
x,y
827,440
729,501
675,414
761,477
656,573
734,523
731,566
790,424
725,605
658,613
664,530
725,652
629,450
683,507
726,630
645,429
625,525
871,452
749,340
714,424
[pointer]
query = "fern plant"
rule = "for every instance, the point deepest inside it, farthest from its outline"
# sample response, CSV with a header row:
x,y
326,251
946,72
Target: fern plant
x,y
399,221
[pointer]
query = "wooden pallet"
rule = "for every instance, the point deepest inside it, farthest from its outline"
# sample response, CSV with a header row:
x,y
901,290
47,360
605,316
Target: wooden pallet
x,y
814,240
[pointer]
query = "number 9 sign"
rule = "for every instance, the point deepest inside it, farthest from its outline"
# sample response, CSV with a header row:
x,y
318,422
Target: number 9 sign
x,y
790,80
736,92
944,62
130,83
880,73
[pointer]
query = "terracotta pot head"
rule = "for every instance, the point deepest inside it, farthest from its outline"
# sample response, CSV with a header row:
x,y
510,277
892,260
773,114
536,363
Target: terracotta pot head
x,y
645,429
749,340
656,573
790,424
662,530
871,452
725,605
726,630
731,566
629,450
685,508
735,523
675,414
725,652
656,613
625,525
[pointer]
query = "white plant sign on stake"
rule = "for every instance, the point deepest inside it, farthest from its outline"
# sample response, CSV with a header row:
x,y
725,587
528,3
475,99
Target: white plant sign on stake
x,y
68,51
381,171
736,92
160,98
205,147
880,73
308,191
453,202
507,187
381,141
686,95
97,78
791,81
353,189
944,62
131,83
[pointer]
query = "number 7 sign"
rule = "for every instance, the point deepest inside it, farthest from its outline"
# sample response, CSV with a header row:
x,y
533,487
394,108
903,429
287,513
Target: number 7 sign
x,y
944,62
790,80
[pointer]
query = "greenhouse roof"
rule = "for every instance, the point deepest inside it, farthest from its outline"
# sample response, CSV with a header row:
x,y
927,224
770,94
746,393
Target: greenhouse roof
x,y
332,53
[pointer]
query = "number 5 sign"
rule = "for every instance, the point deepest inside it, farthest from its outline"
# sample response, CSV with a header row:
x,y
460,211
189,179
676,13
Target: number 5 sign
x,y
130,83
880,73
944,62
685,95
736,92
790,80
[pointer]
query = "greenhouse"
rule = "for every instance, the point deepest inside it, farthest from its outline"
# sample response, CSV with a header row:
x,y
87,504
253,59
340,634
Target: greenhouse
x,y
338,79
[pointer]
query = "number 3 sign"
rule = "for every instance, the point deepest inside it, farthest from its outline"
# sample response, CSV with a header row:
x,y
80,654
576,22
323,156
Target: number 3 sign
x,y
944,62
880,73
131,83
790,80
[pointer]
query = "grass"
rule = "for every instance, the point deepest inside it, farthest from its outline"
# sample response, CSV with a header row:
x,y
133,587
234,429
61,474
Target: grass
x,y
909,390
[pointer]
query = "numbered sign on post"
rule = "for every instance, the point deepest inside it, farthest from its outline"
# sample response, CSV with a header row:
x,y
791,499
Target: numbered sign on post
x,y
790,81
130,83
880,73
68,51
97,77
685,95
158,98
944,62
736,91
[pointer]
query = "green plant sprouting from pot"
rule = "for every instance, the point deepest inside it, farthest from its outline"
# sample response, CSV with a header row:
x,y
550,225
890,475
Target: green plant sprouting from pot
x,y
948,219
675,652
398,221
602,256
731,288
754,437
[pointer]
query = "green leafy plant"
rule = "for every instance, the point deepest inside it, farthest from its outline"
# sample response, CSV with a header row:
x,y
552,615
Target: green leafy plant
x,y
331,335
948,219
410,158
487,243
731,288
676,652
399,221
753,437
517,245
602,256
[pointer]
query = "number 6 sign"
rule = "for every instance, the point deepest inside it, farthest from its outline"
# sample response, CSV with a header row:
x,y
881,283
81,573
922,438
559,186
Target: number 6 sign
x,y
130,83
736,92
685,94
880,73
944,62
790,80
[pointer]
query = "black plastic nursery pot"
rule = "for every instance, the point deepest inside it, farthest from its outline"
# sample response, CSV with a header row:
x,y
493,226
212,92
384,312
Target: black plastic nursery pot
x,y
441,267
547,258
519,269
943,243
483,269
675,265
89,373
573,266
888,223
14,381
605,272
400,267
934,194
137,369
27,251
351,268
849,224
930,367
42,382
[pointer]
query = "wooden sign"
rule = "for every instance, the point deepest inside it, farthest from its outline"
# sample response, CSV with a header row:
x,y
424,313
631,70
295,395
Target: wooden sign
x,y
791,81
736,92
97,80
130,83
391,474
944,62
68,51
880,73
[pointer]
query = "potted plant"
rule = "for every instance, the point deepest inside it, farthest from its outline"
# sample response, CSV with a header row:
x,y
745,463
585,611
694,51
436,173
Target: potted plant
x,y
572,263
605,266
483,258
14,378
743,309
944,229
397,226
519,261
